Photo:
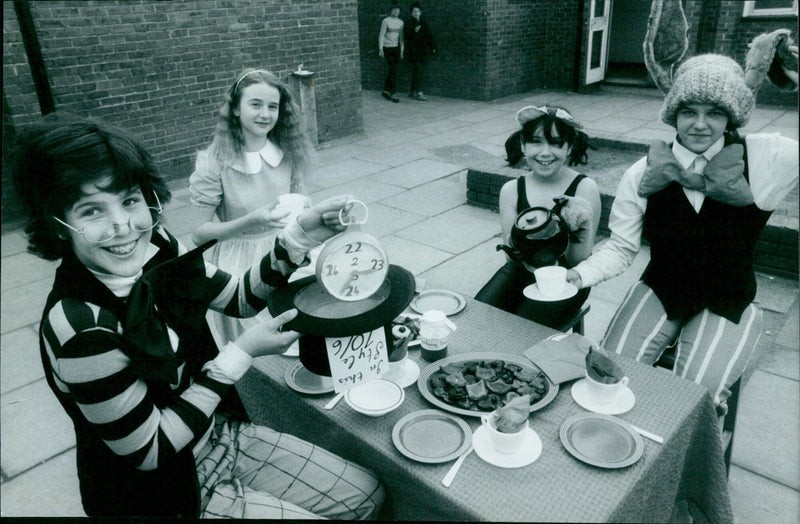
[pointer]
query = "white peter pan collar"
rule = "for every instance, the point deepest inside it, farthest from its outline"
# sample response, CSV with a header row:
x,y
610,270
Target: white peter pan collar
x,y
270,153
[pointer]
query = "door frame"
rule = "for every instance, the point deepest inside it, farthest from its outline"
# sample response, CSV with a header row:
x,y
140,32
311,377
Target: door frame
x,y
598,24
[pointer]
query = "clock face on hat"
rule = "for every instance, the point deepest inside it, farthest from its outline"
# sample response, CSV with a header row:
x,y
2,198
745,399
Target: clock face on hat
x,y
352,266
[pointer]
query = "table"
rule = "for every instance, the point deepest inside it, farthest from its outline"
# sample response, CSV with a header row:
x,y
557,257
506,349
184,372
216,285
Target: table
x,y
556,487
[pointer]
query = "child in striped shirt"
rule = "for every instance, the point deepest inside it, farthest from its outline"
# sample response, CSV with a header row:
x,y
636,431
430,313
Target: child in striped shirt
x,y
127,351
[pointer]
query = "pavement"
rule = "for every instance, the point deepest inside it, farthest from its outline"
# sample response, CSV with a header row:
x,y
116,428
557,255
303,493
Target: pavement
x,y
418,209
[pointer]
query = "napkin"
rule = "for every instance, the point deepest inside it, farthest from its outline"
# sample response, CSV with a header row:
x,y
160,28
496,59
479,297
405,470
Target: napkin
x,y
601,368
561,360
511,417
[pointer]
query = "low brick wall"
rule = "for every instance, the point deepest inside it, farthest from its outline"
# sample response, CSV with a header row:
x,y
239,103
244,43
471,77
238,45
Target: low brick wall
x,y
776,250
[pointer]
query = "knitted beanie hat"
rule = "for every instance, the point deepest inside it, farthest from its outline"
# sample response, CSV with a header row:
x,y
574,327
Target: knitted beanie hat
x,y
710,79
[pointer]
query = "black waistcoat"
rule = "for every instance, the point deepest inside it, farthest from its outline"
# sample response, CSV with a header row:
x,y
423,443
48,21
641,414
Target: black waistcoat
x,y
701,260
108,484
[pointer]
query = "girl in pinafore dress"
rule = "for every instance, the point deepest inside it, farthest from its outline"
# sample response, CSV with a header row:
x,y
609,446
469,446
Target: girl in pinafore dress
x,y
259,153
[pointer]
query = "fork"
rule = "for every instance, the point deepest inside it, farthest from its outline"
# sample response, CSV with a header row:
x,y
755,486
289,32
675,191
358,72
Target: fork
x,y
448,478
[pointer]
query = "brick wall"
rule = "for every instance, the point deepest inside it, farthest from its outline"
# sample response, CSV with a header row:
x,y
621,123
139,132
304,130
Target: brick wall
x,y
487,49
718,27
161,69
776,249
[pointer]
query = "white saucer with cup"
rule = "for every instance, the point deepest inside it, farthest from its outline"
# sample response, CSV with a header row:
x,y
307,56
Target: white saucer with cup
x,y
603,393
551,280
505,443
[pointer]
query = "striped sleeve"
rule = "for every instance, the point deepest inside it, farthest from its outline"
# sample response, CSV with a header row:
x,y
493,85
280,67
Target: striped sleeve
x,y
83,345
246,296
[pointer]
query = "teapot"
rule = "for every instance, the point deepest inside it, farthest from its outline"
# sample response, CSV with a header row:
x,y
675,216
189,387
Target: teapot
x,y
539,236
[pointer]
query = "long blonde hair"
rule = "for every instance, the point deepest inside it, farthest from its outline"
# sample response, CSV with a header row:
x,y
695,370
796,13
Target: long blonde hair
x,y
288,133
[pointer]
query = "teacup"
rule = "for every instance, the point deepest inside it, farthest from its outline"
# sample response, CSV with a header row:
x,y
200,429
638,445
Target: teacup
x,y
505,443
551,280
294,203
604,393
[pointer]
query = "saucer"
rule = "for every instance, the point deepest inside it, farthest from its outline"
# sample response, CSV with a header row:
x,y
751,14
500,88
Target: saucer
x,y
303,381
623,404
402,373
532,292
527,454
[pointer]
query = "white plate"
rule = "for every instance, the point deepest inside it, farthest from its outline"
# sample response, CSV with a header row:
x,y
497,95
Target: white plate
x,y
376,397
601,440
293,350
532,292
303,381
442,300
402,373
431,436
623,404
527,454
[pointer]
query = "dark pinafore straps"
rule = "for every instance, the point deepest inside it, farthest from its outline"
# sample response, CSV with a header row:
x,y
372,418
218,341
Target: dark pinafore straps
x,y
522,195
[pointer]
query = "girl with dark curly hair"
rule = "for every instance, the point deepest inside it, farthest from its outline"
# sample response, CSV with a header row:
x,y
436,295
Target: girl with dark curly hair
x,y
549,142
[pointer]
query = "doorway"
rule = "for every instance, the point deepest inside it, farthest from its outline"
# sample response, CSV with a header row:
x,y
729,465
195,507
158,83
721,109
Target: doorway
x,y
626,35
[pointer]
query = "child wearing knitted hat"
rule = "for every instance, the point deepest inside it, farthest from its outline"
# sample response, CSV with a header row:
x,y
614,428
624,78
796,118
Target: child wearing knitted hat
x,y
702,203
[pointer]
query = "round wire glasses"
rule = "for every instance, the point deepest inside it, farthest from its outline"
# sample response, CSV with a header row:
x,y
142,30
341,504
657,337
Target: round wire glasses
x,y
102,230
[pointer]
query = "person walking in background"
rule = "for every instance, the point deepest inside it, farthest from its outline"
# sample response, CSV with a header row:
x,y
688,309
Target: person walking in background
x,y
391,47
259,153
419,44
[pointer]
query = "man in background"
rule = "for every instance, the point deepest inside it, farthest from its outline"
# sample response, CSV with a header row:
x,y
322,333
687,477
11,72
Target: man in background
x,y
419,44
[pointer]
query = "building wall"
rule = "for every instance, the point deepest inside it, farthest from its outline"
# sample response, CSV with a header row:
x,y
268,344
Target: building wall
x,y
487,49
717,26
161,69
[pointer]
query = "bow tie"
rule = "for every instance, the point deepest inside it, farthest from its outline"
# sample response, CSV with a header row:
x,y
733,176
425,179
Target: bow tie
x,y
722,178
166,294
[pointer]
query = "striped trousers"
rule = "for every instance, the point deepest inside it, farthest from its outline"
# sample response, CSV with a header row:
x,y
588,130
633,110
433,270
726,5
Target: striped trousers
x,y
247,471
711,350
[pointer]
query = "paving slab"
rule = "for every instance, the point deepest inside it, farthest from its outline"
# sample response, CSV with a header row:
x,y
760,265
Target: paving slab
x,y
337,151
13,242
24,305
467,272
416,173
789,335
49,490
20,363
768,428
756,499
344,171
776,293
364,189
456,230
31,415
393,156
433,198
391,137
385,220
25,268
411,255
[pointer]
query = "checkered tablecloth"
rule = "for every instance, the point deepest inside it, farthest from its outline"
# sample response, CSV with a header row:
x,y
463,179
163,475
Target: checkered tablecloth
x,y
556,487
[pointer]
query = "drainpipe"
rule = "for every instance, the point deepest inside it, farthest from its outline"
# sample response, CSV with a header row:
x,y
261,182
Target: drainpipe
x,y
35,59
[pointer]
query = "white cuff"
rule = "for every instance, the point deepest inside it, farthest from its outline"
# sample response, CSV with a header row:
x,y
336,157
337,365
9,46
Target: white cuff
x,y
297,242
232,362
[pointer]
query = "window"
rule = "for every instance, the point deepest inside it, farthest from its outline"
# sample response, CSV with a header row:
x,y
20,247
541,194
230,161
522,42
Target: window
x,y
763,8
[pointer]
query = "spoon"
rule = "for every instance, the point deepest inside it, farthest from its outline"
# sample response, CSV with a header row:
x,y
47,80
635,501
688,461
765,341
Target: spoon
x,y
335,400
448,478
